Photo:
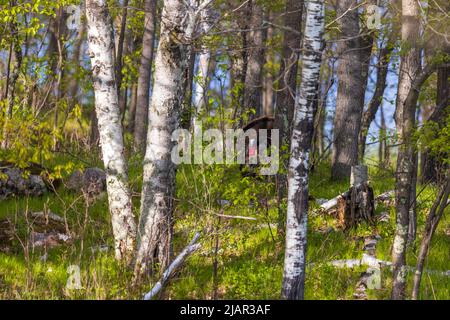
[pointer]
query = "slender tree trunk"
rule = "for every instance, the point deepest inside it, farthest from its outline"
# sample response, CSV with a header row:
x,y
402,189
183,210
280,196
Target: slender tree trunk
x,y
268,93
412,226
350,92
289,67
239,62
405,121
101,47
200,96
11,80
126,87
132,110
293,286
433,218
431,167
145,72
253,76
377,98
61,32
318,147
201,87
121,51
72,88
383,152
188,88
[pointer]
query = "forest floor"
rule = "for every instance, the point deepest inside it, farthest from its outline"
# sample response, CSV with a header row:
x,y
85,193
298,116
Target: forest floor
x,y
248,254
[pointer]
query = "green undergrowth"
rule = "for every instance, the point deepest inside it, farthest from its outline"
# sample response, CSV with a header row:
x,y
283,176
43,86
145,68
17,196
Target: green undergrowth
x,y
239,258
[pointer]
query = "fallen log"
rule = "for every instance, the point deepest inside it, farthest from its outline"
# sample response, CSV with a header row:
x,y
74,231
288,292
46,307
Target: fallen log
x,y
385,196
234,217
371,261
190,248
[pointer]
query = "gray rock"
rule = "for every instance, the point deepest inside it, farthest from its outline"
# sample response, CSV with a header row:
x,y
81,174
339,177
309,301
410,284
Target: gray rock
x,y
49,230
92,181
48,240
75,181
14,182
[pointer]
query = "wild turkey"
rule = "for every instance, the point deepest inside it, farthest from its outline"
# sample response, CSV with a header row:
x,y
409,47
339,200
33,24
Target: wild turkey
x,y
252,145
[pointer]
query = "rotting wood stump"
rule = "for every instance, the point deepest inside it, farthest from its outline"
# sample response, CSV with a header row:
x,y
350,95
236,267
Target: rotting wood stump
x,y
357,204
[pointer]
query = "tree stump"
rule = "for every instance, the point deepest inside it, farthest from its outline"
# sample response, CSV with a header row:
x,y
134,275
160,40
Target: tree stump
x,y
357,204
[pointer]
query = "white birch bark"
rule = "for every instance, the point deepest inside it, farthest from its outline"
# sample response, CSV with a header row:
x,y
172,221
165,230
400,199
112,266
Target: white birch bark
x,y
178,25
101,51
297,211
405,121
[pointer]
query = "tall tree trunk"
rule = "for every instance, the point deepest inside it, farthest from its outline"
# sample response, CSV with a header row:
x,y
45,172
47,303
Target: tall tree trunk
x,y
286,95
101,47
188,88
431,167
204,63
350,92
405,121
201,87
155,225
433,218
293,286
72,87
93,134
144,78
132,110
254,73
121,51
60,34
377,98
288,71
126,86
268,93
318,147
383,153
11,79
239,62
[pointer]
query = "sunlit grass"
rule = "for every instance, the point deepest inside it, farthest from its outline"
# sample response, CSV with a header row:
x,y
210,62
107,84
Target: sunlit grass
x,y
250,252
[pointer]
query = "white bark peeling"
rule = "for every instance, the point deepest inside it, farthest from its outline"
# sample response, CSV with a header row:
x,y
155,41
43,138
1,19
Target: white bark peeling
x,y
297,211
101,46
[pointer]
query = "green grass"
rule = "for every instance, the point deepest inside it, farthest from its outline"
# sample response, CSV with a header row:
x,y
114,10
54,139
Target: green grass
x,y
250,255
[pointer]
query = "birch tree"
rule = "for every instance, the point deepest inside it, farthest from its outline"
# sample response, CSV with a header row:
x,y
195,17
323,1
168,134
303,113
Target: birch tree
x,y
293,286
350,92
178,26
101,51
405,120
